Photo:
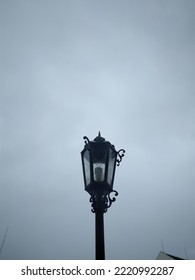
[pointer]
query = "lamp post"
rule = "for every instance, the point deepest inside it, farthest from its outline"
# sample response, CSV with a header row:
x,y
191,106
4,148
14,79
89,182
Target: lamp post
x,y
99,160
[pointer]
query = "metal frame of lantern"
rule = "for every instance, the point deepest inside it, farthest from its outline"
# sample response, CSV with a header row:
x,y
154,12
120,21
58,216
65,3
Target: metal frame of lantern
x,y
99,160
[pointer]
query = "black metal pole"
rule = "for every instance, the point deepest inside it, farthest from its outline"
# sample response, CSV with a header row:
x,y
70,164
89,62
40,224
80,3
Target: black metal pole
x,y
99,225
99,230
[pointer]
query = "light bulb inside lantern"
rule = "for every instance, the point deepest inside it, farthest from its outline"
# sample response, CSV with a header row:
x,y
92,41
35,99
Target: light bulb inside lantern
x,y
99,172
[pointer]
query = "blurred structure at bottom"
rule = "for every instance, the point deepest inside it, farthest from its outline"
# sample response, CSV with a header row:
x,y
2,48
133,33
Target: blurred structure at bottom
x,y
165,256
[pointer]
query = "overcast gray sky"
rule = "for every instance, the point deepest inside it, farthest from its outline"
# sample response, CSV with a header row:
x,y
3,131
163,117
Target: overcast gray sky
x,y
70,68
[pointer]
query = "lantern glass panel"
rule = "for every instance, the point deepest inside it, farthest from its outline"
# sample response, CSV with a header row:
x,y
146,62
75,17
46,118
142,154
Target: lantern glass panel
x,y
111,165
86,162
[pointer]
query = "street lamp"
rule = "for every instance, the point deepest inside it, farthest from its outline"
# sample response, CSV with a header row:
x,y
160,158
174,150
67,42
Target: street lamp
x,y
99,160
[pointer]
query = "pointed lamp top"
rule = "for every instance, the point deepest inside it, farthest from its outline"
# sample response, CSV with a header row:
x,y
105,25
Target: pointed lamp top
x,y
99,138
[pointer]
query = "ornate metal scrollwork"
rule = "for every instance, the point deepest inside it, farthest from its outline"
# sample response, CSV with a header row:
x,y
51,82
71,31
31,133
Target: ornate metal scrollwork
x,y
92,200
120,155
110,200
102,202
86,140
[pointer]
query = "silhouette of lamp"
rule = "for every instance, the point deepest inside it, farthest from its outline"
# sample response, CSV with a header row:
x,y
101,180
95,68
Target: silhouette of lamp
x,y
99,160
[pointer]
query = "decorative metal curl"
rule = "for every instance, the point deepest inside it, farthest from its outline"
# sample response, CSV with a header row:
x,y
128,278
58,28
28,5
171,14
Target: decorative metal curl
x,y
109,200
86,140
102,202
92,200
120,155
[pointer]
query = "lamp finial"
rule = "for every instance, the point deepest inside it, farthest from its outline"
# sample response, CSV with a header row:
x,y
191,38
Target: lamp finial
x,y
99,138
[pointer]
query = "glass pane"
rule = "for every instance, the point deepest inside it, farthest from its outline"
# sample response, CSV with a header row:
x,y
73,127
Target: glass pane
x,y
87,167
99,171
111,165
